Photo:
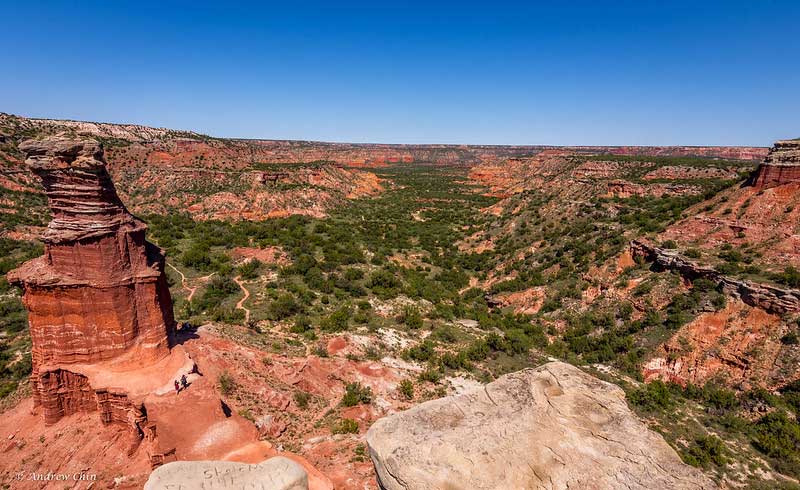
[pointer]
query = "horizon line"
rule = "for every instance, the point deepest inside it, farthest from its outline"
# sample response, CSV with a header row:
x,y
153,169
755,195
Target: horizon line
x,y
509,145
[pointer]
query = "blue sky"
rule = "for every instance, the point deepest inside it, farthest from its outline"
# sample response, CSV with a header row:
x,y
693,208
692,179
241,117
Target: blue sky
x,y
638,73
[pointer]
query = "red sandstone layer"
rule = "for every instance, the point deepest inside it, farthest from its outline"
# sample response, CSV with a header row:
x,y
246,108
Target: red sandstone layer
x,y
781,166
102,329
99,293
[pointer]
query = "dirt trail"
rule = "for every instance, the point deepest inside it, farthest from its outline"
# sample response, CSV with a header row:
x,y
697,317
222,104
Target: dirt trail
x,y
240,304
183,282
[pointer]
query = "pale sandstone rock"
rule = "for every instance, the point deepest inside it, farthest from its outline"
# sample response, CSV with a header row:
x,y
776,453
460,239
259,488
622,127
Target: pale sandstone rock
x,y
276,473
553,427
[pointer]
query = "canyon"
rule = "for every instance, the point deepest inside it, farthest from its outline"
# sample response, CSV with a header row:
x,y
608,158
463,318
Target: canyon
x,y
333,305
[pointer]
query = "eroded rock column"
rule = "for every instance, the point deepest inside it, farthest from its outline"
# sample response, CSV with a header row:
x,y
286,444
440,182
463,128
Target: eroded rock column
x,y
99,293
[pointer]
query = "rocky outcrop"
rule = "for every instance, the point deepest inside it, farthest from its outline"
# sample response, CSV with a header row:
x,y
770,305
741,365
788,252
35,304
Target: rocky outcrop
x,y
738,345
781,165
276,473
99,293
679,172
101,322
549,427
769,298
623,188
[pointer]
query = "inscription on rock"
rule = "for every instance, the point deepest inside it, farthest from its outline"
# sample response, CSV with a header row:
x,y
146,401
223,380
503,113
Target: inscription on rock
x,y
276,473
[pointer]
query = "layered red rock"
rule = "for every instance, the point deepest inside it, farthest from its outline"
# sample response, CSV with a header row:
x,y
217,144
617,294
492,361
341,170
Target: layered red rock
x,y
103,334
622,188
781,165
739,344
99,293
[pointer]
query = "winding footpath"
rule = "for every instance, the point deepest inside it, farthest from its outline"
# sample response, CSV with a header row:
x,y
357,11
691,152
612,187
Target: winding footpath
x,y
183,282
240,304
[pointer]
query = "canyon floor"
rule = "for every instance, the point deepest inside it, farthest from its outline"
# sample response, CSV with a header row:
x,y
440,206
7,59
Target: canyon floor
x,y
319,296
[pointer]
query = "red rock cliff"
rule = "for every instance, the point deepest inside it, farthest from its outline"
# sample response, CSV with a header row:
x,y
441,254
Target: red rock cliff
x,y
99,293
781,166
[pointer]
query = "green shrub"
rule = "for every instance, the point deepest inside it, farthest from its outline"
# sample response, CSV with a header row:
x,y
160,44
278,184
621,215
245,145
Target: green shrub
x,y
430,375
301,398
455,361
249,269
353,274
282,307
704,451
790,338
790,277
384,284
778,436
719,398
197,257
302,324
652,396
356,394
345,426
478,350
410,317
219,288
421,352
445,333
692,253
227,385
407,389
337,321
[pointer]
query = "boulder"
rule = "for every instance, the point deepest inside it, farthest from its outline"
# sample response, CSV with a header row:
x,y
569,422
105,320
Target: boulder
x,y
276,473
553,427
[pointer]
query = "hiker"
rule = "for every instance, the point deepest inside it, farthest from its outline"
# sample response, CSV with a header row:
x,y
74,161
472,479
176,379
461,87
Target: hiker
x,y
183,381
177,387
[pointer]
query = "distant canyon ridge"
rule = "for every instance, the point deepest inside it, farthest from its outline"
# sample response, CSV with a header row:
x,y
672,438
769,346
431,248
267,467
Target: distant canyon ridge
x,y
187,148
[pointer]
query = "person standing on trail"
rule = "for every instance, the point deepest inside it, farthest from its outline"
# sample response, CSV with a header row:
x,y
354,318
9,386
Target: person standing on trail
x,y
183,381
177,387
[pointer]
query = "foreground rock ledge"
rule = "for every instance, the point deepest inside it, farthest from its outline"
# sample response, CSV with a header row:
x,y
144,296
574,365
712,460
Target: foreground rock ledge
x,y
276,473
553,427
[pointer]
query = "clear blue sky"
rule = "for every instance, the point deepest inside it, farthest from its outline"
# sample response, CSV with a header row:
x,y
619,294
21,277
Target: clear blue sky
x,y
639,73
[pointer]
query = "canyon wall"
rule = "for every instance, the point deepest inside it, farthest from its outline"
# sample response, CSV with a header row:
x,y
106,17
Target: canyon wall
x,y
781,165
133,142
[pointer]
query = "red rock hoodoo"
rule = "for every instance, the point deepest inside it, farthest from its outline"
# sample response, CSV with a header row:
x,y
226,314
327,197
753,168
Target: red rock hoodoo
x,y
103,334
99,293
781,166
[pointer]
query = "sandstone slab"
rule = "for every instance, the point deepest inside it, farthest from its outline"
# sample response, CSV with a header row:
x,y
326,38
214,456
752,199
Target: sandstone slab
x,y
553,427
276,473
